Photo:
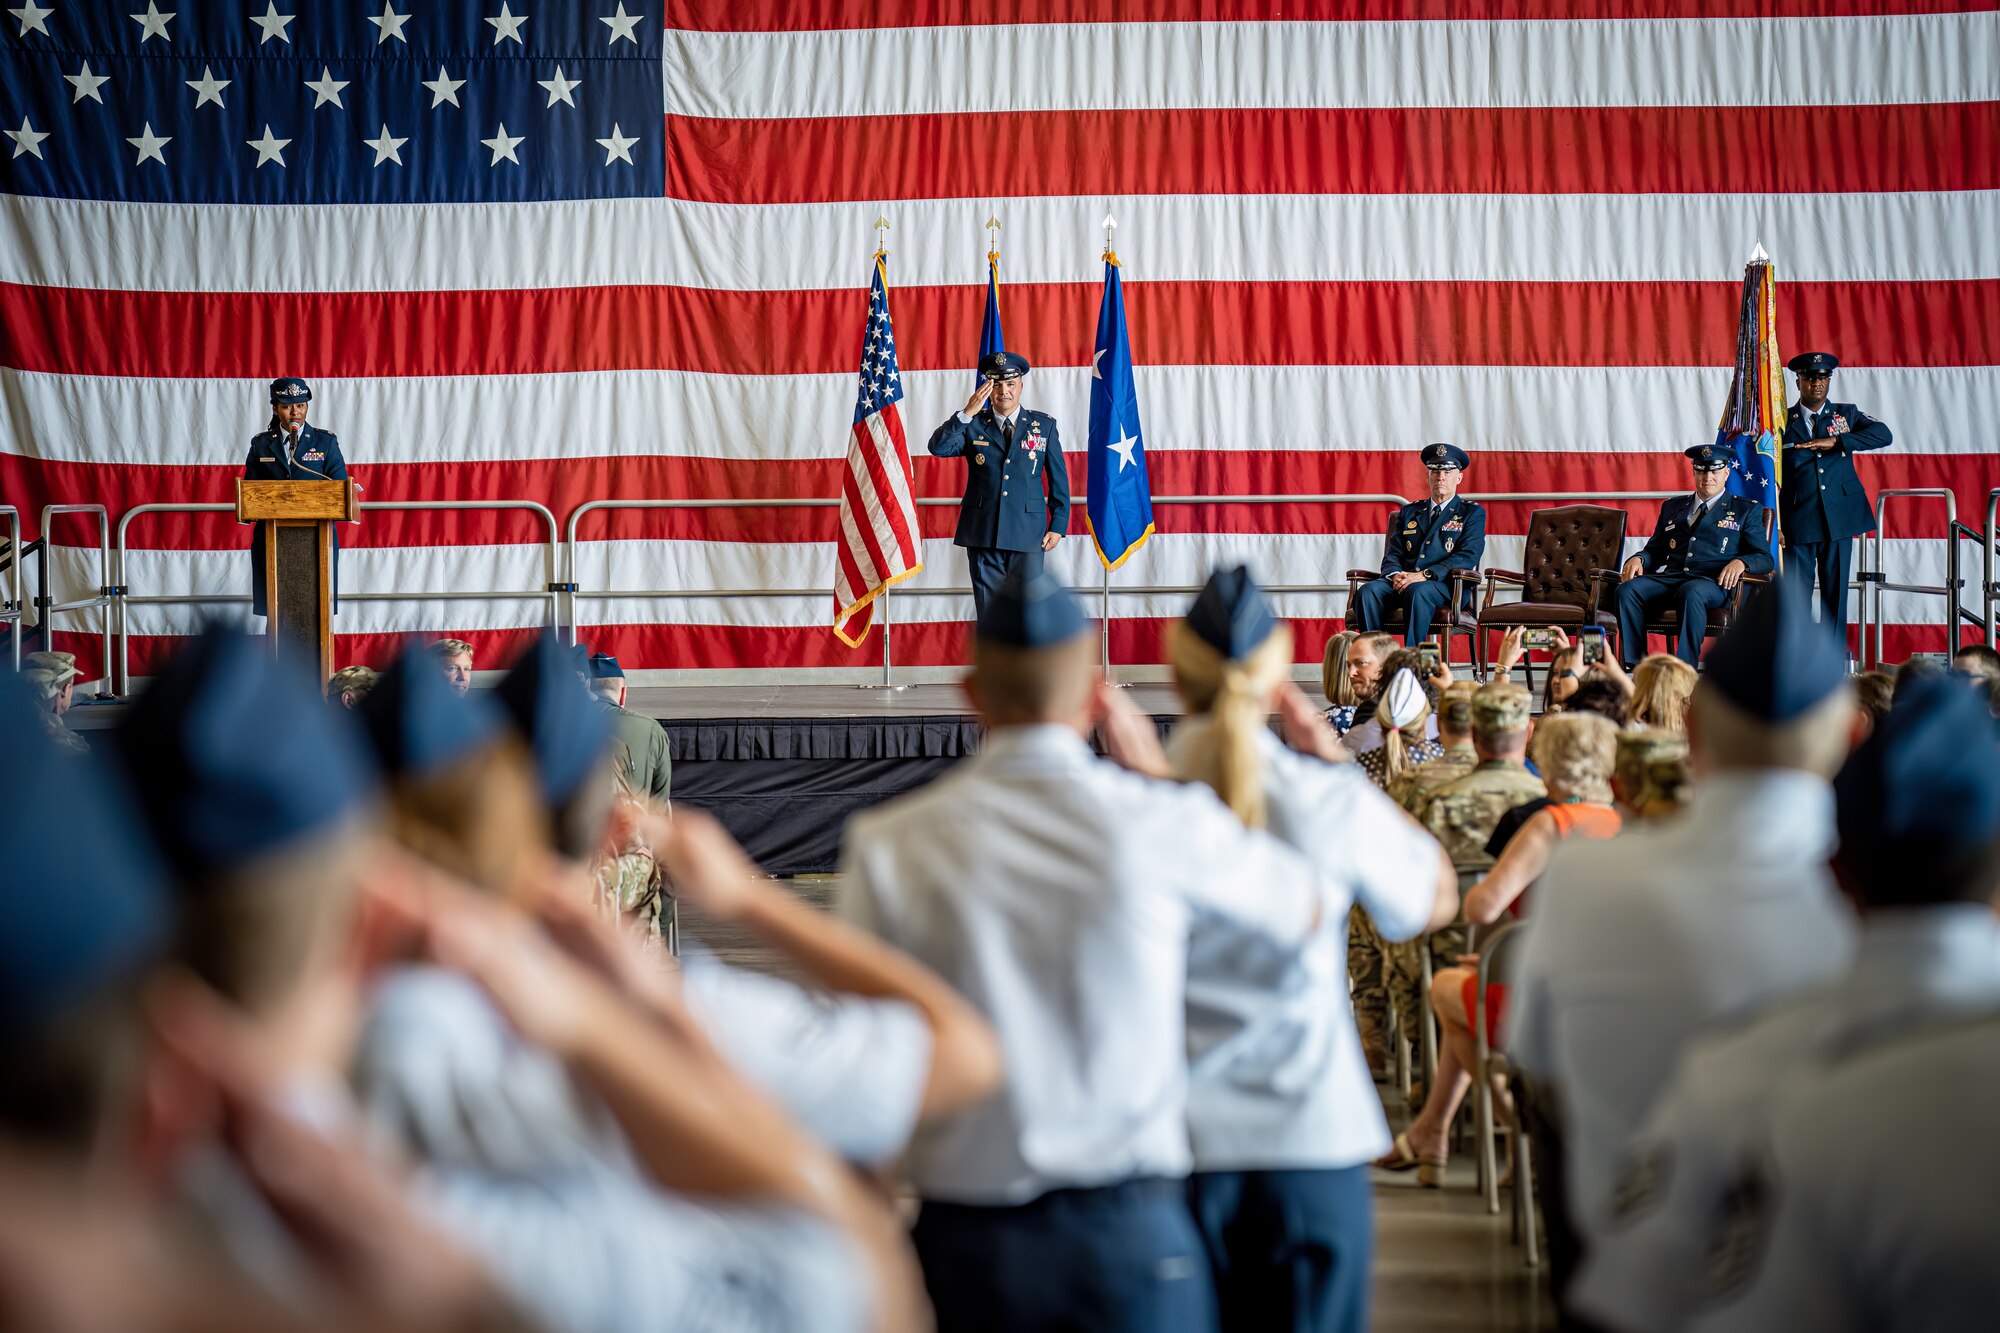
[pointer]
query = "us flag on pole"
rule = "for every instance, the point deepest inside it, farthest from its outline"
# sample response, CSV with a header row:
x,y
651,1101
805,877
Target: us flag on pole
x,y
878,511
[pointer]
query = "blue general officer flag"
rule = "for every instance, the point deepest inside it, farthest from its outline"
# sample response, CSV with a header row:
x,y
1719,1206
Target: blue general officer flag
x,y
1753,469
1121,498
990,338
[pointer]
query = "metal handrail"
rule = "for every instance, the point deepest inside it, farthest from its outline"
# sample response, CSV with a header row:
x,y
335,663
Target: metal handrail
x,y
1983,617
103,598
1873,585
121,598
12,608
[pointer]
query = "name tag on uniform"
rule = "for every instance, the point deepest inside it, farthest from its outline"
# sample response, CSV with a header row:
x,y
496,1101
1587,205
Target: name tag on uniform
x,y
266,458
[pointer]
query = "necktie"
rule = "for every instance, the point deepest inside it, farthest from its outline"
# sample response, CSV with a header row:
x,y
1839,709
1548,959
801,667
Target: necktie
x,y
1007,431
1700,512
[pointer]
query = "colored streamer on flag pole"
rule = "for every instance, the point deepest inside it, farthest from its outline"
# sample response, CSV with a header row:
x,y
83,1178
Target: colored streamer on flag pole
x,y
1120,504
879,542
1753,416
991,339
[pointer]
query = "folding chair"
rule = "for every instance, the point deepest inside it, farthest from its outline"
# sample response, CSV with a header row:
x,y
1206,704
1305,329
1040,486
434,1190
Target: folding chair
x,y
1496,966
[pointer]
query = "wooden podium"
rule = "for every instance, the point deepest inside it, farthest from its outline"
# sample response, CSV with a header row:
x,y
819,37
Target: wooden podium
x,y
298,560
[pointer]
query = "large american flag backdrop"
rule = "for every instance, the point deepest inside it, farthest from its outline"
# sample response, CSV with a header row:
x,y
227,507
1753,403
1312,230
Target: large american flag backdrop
x,y
577,250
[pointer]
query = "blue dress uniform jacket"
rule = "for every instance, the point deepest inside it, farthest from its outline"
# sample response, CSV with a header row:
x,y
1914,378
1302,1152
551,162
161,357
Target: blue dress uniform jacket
x,y
1421,542
1005,506
1821,497
1681,562
316,457
1732,529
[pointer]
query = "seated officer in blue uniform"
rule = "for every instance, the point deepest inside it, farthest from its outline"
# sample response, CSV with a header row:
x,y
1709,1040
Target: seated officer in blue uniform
x,y
1822,505
1702,546
1426,541
290,450
1013,456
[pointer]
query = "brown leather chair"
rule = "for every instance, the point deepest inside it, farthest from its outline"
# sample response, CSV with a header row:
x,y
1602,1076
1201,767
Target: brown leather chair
x,y
1454,617
1571,575
1669,622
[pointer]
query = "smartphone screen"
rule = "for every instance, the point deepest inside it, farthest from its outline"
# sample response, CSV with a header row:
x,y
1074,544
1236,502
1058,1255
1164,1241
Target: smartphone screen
x,y
1593,647
1537,638
1427,653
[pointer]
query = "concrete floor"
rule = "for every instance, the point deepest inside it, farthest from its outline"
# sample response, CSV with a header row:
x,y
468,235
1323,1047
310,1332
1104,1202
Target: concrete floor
x,y
1441,1264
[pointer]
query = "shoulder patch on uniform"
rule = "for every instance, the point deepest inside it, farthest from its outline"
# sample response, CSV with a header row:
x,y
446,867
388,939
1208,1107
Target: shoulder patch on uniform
x,y
1642,1183
1742,1232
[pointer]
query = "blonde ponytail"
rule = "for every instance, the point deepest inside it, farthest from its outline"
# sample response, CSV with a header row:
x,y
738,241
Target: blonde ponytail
x,y
1235,695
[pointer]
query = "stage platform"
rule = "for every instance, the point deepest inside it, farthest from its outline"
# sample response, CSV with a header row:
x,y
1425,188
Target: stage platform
x,y
784,766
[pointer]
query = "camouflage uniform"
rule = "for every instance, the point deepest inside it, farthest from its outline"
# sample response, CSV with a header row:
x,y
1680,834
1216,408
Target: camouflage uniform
x,y
1414,787
1461,814
46,674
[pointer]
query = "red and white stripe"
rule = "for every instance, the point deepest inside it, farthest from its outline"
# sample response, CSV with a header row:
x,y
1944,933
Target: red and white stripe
x,y
1348,226
879,545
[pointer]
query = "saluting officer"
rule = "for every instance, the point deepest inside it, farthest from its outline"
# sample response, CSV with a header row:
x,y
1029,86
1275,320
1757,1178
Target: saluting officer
x,y
1016,504
1702,546
290,450
1822,505
1426,541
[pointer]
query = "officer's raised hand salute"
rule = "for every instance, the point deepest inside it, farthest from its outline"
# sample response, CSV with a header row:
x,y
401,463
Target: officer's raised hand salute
x,y
1016,504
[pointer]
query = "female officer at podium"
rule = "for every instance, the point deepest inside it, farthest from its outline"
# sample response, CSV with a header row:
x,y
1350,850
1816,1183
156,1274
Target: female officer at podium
x,y
290,450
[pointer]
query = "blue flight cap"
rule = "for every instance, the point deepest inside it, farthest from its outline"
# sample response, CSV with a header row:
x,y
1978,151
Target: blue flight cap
x,y
1031,612
1231,615
1708,458
1445,455
418,724
1921,796
603,666
1813,363
1776,662
1003,365
290,389
566,731
233,753
83,900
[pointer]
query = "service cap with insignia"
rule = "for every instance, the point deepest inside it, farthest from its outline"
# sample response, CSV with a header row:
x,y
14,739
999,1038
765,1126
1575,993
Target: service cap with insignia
x,y
1708,458
1003,365
1776,662
290,389
1445,455
1232,615
1035,611
1813,363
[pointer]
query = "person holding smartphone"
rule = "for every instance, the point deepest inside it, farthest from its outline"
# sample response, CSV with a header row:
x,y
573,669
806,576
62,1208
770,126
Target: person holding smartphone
x,y
1702,546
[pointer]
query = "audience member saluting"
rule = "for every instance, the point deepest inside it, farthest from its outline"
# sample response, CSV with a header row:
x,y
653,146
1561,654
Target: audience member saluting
x,y
1016,504
1056,892
1822,505
1282,1110
1702,546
